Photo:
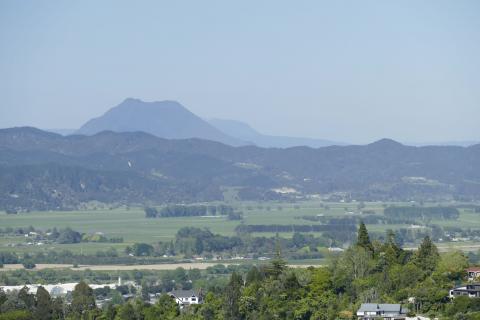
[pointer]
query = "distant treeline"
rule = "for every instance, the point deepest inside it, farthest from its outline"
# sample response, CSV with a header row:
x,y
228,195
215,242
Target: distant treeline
x,y
62,236
471,207
190,241
188,211
424,213
355,220
244,228
108,256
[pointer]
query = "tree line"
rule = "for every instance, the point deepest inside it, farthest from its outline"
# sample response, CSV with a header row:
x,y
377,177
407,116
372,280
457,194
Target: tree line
x,y
249,228
188,211
195,241
423,213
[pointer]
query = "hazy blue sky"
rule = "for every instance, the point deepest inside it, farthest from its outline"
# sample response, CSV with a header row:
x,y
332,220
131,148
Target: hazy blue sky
x,y
344,70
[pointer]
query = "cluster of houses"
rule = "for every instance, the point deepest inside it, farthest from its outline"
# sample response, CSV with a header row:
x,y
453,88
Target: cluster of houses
x,y
472,289
182,297
371,311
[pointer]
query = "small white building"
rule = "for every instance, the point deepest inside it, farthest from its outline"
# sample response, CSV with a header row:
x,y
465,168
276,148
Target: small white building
x,y
185,297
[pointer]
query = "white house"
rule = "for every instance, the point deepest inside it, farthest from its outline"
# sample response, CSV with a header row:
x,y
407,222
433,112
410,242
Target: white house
x,y
470,290
370,311
185,297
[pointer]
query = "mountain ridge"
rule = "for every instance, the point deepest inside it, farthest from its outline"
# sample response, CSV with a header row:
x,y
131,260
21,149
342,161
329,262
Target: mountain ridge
x,y
245,132
41,170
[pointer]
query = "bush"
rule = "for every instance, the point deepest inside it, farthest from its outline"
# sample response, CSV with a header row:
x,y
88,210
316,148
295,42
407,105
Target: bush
x,y
11,211
235,216
29,264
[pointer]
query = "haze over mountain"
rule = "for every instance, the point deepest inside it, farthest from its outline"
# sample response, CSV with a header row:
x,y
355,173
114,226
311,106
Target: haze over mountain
x,y
245,132
171,120
164,119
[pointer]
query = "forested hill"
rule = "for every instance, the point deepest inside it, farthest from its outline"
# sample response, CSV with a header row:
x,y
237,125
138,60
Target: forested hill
x,y
42,170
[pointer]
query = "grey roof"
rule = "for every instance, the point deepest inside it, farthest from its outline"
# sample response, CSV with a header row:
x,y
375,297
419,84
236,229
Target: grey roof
x,y
183,293
386,307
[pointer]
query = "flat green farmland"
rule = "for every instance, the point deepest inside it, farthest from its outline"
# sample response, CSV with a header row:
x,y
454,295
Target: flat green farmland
x,y
129,224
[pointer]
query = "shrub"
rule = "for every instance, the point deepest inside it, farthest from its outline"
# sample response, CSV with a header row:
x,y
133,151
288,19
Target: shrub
x,y
29,264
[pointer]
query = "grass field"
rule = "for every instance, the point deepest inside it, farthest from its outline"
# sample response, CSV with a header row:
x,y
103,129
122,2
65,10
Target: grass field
x,y
132,225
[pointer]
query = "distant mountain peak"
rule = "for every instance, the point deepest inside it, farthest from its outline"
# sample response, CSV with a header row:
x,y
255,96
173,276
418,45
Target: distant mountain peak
x,y
137,104
159,103
165,119
386,142
130,99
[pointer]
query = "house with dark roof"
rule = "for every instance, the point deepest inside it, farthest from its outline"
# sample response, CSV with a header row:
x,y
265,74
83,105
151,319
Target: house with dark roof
x,y
386,311
185,297
471,290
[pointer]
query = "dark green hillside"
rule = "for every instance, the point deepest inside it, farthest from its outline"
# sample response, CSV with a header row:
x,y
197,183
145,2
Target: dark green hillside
x,y
138,167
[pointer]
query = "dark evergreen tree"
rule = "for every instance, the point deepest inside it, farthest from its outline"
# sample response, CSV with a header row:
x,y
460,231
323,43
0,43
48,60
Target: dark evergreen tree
x,y
27,298
43,305
277,265
363,239
391,249
427,256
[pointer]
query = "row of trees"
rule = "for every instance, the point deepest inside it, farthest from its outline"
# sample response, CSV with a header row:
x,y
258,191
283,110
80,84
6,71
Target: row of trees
x,y
191,240
244,228
423,213
62,236
107,256
188,211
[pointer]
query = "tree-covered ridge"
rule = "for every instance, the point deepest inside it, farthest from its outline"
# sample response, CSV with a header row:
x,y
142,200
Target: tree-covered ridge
x,y
139,168
369,271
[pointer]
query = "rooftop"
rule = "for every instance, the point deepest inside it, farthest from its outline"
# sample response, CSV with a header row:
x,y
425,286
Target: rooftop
x,y
386,307
473,269
183,293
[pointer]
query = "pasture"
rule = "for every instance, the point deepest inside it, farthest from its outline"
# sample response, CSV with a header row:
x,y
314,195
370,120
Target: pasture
x,y
132,226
